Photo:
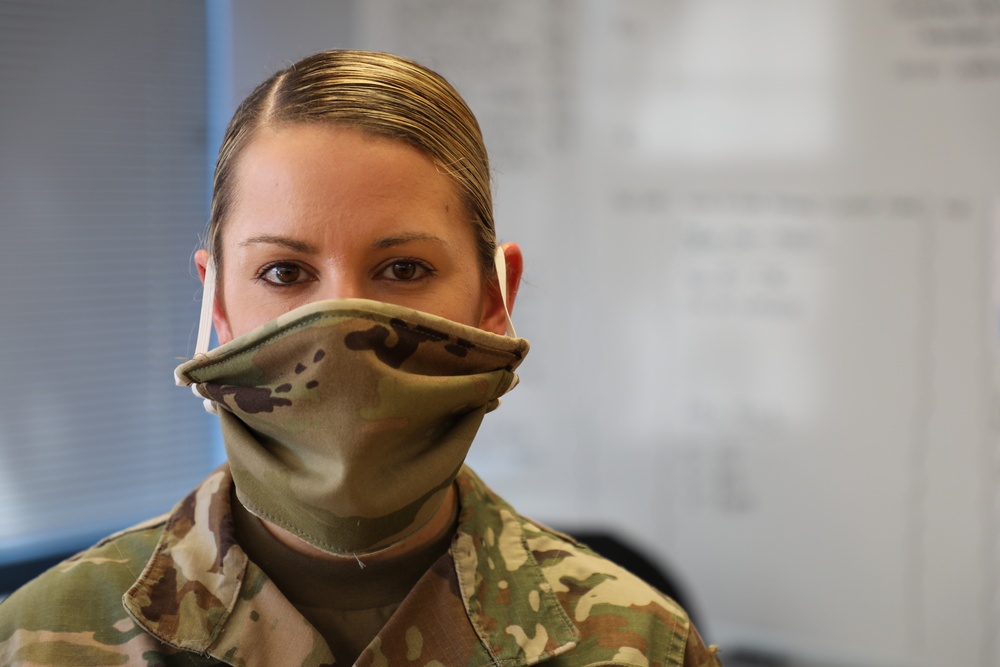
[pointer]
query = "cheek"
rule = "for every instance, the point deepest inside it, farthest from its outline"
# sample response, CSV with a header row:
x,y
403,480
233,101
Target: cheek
x,y
244,313
473,301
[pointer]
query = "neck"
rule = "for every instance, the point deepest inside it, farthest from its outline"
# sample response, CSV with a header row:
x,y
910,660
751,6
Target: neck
x,y
442,523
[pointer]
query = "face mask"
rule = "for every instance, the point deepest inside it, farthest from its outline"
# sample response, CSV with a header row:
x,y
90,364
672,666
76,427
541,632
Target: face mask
x,y
346,421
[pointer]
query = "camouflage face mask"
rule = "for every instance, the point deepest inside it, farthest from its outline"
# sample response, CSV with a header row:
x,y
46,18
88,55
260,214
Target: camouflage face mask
x,y
346,421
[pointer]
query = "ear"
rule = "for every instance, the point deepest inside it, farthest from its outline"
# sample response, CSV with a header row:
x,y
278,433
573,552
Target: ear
x,y
494,317
222,330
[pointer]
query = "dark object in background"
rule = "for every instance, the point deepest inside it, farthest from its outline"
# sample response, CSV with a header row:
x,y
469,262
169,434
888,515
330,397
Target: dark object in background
x,y
619,552
14,575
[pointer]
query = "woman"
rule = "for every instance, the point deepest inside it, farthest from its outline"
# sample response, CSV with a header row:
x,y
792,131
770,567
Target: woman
x,y
349,273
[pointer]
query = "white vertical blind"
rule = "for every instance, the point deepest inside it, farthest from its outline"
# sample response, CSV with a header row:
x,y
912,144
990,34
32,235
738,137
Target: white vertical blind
x,y
103,193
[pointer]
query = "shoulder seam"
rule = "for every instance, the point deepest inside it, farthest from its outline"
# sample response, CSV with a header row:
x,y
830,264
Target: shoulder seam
x,y
148,524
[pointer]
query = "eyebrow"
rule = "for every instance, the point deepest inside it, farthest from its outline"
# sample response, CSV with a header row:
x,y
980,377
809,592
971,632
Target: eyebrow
x,y
303,247
283,241
392,241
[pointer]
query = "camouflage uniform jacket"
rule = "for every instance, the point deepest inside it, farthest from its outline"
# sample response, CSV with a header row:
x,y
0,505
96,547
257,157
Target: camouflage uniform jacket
x,y
178,590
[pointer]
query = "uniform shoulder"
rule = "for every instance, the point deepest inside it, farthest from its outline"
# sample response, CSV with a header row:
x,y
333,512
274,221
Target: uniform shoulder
x,y
608,604
73,614
564,558
84,591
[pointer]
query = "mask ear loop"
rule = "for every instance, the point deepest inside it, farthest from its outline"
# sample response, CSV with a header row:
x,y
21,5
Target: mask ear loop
x,y
500,263
204,332
207,305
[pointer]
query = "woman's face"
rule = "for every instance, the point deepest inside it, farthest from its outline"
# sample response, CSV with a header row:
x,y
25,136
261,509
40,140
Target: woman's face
x,y
325,212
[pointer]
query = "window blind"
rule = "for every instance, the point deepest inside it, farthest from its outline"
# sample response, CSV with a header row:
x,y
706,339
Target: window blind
x,y
103,194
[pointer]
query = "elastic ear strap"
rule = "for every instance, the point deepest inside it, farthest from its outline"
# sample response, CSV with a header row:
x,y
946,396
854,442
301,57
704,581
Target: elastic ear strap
x,y
207,304
500,262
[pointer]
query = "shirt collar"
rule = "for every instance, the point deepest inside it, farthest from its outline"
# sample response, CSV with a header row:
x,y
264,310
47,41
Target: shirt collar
x,y
192,583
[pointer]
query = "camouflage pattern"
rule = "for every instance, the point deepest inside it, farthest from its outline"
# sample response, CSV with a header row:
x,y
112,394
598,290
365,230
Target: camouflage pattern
x,y
345,421
180,591
315,408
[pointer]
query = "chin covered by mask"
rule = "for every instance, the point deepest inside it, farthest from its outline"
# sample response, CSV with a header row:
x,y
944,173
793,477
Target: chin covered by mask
x,y
346,421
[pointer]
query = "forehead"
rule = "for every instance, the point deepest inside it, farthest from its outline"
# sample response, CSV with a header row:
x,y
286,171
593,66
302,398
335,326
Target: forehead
x,y
328,174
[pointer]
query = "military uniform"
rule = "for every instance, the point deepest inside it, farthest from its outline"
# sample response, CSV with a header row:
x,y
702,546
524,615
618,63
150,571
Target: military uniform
x,y
179,590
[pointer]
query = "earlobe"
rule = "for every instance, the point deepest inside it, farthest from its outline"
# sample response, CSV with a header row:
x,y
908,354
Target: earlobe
x,y
494,314
219,319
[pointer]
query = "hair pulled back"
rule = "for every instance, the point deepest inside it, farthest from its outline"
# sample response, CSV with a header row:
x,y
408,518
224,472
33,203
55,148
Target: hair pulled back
x,y
378,93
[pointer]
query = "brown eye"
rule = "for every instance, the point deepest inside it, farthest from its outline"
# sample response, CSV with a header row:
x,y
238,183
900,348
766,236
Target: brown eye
x,y
282,274
403,270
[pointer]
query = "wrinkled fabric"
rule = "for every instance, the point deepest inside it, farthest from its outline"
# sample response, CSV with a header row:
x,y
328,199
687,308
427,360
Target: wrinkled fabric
x,y
345,421
179,590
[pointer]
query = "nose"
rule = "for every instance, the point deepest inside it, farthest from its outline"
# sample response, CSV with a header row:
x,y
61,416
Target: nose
x,y
342,285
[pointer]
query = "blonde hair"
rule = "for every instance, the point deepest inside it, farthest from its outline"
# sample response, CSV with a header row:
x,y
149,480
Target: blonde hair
x,y
379,93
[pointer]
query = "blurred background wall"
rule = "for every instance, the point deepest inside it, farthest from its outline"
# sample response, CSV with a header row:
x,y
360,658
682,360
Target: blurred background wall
x,y
761,290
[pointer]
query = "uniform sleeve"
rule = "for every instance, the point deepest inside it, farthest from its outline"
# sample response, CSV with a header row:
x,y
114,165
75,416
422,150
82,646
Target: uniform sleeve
x,y
69,615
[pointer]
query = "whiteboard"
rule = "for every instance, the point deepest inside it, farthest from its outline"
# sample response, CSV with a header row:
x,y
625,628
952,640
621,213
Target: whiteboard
x,y
760,246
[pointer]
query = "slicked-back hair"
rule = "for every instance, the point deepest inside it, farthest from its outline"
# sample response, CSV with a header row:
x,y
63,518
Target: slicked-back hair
x,y
378,93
